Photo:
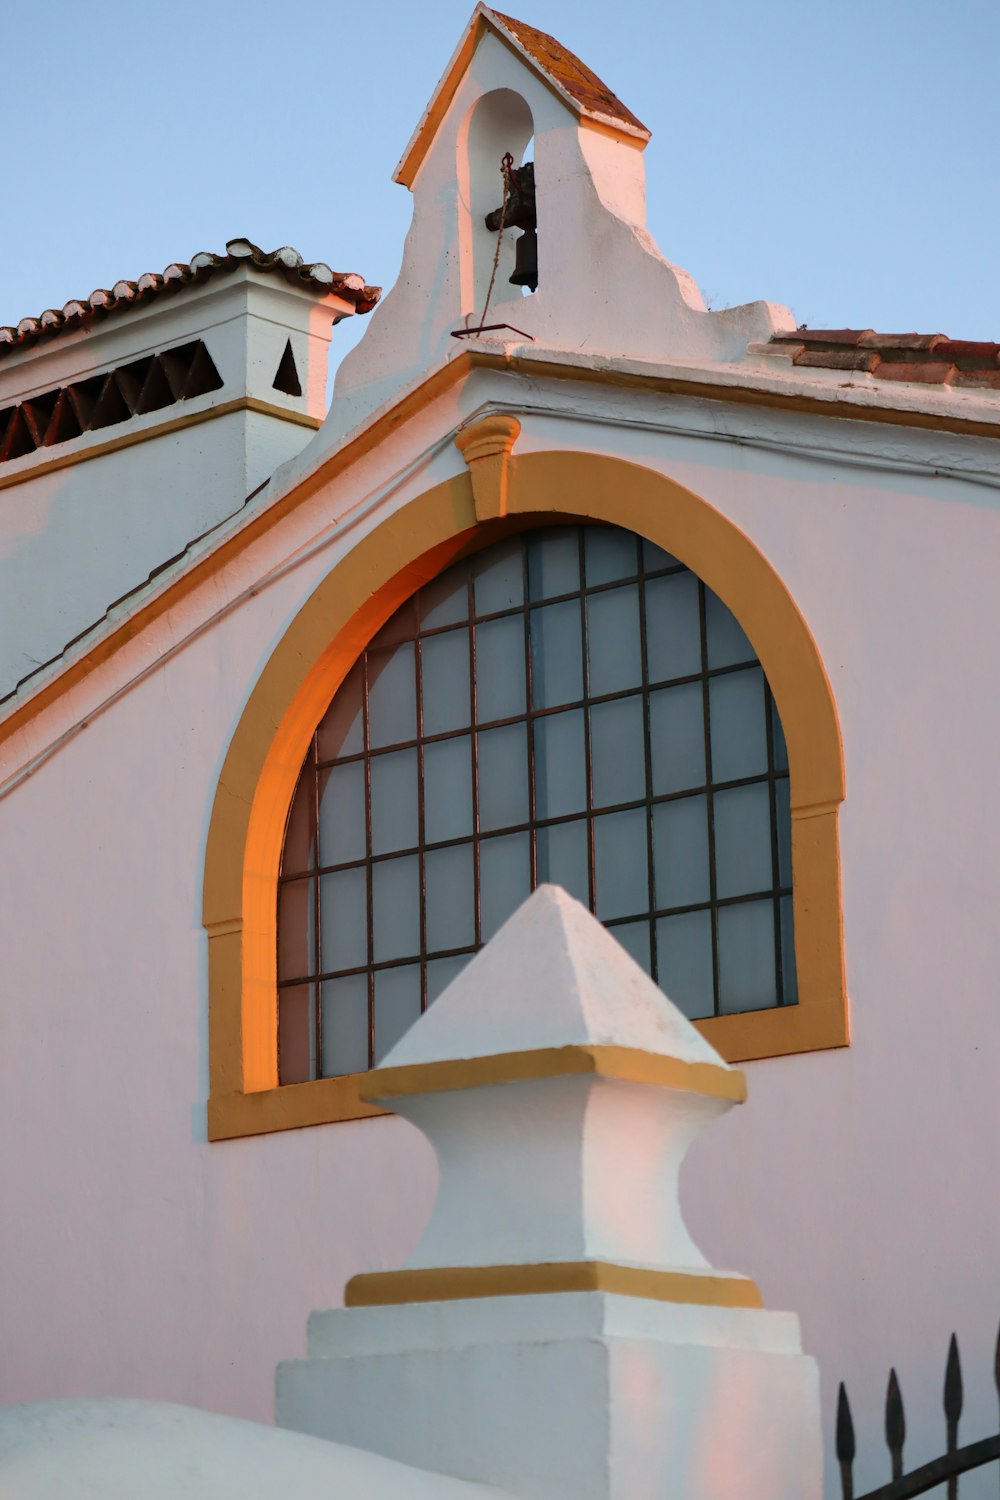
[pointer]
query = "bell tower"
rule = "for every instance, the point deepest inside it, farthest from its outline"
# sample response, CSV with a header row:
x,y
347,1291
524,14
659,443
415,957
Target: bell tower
x,y
575,176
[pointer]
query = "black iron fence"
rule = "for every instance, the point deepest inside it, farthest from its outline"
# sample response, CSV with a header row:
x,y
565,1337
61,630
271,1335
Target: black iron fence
x,y
946,1469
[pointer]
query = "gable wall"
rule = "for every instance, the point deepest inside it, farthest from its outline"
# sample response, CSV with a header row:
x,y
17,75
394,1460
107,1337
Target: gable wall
x,y
142,1260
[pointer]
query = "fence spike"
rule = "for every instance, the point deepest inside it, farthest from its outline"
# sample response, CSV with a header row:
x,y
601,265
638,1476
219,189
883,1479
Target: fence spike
x,y
895,1424
953,1390
952,1407
844,1443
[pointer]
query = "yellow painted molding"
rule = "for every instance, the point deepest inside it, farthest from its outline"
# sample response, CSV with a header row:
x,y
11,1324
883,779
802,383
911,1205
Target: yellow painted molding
x,y
324,640
486,447
161,429
452,1283
294,1106
628,1064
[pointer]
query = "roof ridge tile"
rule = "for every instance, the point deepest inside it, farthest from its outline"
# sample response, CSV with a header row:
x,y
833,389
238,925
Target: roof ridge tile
x,y
125,294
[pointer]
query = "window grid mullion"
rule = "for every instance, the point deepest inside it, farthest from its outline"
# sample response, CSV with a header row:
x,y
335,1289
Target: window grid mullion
x,y
316,1070
587,756
369,902
418,667
477,895
779,977
709,802
529,727
647,746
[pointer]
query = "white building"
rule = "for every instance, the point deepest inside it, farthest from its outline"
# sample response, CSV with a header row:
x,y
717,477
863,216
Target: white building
x,y
648,520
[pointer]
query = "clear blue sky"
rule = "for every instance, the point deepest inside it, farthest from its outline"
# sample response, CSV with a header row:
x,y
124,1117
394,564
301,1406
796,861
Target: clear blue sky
x,y
839,156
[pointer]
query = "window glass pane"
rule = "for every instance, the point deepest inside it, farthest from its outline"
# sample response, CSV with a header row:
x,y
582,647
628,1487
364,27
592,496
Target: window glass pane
x,y
400,626
445,681
738,725
340,729
450,894
504,879
396,907
621,864
498,578
613,642
342,813
746,956
445,601
677,738
343,902
448,789
727,644
778,740
684,961
673,627
618,751
297,1034
440,973
299,850
743,840
556,655
680,852
634,938
397,1005
394,801
553,563
392,697
503,777
500,668
560,765
654,558
784,821
789,976
345,1025
296,929
610,554
561,858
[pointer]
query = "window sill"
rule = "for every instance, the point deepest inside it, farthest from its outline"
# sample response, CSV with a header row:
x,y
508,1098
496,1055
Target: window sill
x,y
328,1101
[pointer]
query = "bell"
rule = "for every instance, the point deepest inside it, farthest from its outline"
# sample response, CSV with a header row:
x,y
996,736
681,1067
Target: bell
x,y
526,260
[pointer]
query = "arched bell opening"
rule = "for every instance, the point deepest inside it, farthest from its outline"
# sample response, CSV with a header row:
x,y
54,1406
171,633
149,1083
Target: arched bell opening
x,y
500,124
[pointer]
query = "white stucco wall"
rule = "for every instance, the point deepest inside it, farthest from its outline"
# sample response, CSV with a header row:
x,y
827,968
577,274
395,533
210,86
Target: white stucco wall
x,y
855,1187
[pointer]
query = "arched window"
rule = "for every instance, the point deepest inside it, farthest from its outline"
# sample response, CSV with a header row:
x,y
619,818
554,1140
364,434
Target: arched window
x,y
572,705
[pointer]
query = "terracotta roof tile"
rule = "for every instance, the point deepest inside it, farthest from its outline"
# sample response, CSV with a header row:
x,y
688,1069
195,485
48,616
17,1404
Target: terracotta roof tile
x,y
924,372
849,337
576,78
286,262
923,358
986,379
838,359
908,341
969,353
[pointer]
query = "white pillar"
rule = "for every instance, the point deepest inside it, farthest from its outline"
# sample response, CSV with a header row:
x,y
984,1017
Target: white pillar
x,y
556,1331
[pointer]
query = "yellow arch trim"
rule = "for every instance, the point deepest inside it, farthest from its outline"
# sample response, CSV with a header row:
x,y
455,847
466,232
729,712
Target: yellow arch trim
x,y
321,645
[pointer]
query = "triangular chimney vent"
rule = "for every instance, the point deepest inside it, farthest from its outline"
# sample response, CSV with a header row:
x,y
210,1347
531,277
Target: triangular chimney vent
x,y
286,378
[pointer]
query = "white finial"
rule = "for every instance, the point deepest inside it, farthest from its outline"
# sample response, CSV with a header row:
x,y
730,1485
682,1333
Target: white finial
x,y
560,1090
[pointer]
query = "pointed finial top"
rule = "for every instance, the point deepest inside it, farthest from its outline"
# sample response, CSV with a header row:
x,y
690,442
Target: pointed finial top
x,y
553,992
